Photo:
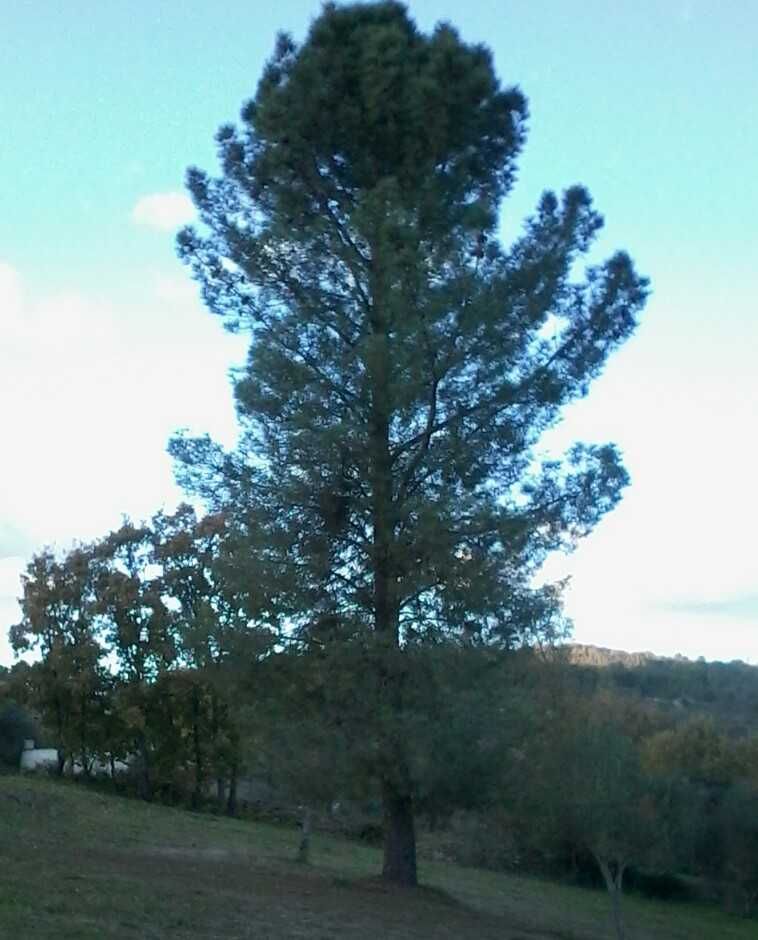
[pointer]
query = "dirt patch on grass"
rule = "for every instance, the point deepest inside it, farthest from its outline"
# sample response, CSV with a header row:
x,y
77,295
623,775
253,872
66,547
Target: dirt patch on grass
x,y
203,892
193,853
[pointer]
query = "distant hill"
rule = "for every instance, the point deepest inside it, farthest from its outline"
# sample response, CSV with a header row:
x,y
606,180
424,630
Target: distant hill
x,y
583,655
726,691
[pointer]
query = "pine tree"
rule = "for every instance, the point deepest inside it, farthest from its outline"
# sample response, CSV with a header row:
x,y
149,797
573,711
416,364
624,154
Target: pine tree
x,y
403,363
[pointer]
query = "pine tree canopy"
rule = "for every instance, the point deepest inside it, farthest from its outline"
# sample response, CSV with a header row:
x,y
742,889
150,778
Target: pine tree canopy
x,y
403,363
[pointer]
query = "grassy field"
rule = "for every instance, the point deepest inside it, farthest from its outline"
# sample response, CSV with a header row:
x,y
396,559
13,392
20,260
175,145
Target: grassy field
x,y
84,866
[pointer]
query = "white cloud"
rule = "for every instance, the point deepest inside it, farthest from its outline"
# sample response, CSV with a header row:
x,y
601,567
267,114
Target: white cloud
x,y
90,392
163,211
660,571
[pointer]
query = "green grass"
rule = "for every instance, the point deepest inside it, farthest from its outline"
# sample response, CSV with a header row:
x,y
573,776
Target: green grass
x,y
79,865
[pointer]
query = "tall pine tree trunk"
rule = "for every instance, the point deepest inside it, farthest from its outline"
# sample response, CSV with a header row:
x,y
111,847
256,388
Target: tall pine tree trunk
x,y
399,837
399,866
399,830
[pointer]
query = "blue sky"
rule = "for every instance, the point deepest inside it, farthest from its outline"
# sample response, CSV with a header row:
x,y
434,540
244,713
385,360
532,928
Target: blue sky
x,y
104,349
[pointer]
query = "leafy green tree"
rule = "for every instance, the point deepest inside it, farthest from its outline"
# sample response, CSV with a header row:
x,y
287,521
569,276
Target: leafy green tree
x,y
296,735
216,620
179,731
610,807
586,787
16,726
403,363
698,749
67,685
138,632
717,779
737,822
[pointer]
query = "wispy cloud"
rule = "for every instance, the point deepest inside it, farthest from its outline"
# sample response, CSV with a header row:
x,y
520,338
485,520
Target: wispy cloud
x,y
163,211
741,606
90,391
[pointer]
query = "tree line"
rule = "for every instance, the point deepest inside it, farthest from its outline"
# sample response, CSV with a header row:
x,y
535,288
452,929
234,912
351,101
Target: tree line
x,y
132,634
633,790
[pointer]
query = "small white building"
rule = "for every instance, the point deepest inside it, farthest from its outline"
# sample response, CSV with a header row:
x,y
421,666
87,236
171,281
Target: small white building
x,y
38,758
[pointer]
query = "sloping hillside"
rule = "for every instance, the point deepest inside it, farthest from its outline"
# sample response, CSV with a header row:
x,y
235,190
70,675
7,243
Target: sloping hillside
x,y
726,691
84,866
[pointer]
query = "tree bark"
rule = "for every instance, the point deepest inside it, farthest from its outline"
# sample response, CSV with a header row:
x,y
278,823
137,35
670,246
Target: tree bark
x,y
399,837
234,764
304,849
399,865
144,781
231,801
215,724
197,793
83,738
617,920
614,883
61,749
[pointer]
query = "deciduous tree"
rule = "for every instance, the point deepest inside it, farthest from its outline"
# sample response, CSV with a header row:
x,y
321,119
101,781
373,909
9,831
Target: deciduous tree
x,y
137,627
69,682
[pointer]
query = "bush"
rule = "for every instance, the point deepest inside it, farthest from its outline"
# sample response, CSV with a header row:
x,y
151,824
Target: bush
x,y
662,886
16,725
478,840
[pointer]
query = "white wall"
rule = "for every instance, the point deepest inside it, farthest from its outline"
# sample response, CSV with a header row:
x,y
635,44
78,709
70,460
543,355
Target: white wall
x,y
38,758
